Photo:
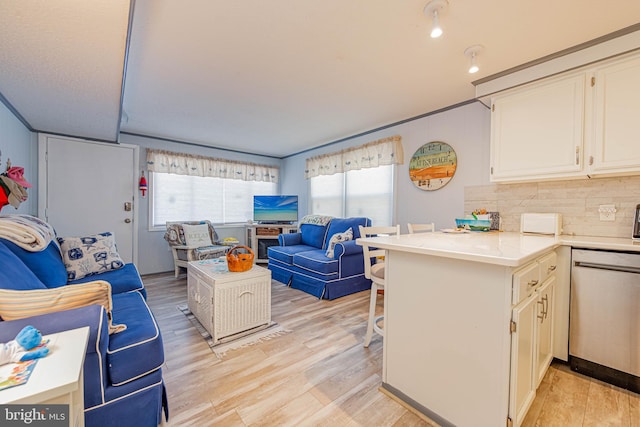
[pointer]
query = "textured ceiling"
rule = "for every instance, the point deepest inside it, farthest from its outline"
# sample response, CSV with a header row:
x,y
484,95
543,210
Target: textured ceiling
x,y
271,78
61,64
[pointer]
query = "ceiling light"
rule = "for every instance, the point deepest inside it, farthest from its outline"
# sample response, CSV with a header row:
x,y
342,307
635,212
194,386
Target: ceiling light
x,y
472,53
432,10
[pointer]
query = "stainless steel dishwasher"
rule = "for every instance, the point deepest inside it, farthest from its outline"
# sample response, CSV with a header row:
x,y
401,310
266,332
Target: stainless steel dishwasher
x,y
604,331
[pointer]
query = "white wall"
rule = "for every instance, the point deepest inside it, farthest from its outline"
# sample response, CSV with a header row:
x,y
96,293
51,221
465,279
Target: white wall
x,y
21,146
154,255
466,129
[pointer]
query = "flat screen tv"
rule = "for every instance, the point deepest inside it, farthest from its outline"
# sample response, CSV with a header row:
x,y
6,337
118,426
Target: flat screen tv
x,y
275,209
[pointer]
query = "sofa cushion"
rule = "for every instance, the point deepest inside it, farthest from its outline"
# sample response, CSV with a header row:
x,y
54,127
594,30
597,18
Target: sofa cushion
x,y
47,264
88,255
285,253
14,274
313,235
126,279
137,350
19,304
317,263
340,225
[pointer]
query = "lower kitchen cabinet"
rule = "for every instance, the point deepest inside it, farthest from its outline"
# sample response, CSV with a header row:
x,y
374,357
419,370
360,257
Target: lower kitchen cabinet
x,y
531,333
544,325
523,347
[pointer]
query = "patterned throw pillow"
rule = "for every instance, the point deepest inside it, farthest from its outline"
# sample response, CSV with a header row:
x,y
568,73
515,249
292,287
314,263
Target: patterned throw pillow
x,y
16,304
196,236
89,255
337,238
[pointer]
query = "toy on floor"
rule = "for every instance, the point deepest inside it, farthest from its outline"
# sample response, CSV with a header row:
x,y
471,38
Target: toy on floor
x,y
24,347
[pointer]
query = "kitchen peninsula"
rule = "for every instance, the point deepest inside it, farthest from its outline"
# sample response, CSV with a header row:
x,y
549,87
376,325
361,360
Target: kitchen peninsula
x,y
449,306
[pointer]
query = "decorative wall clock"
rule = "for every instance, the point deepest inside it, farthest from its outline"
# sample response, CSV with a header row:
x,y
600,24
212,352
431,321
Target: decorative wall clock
x,y
433,165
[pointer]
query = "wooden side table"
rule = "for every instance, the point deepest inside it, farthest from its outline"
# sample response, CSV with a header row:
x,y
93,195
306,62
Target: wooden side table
x,y
229,304
58,377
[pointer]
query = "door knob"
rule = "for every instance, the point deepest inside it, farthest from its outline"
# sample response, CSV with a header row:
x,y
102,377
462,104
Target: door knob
x,y
128,220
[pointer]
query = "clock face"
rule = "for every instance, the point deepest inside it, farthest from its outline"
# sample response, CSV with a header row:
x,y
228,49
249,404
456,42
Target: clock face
x,y
433,165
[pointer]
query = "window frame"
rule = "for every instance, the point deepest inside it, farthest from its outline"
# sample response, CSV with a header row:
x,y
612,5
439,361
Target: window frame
x,y
152,185
393,198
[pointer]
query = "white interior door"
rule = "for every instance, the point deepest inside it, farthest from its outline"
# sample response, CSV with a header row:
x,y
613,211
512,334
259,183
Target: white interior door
x,y
84,187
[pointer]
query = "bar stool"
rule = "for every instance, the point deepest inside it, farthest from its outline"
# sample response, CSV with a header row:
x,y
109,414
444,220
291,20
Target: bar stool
x,y
375,272
420,228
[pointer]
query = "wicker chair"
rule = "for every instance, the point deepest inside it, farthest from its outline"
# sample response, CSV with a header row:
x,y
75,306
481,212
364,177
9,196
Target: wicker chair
x,y
183,252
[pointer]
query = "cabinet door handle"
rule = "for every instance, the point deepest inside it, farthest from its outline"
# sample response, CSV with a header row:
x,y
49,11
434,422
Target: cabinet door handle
x,y
577,155
532,283
551,268
545,299
541,315
245,292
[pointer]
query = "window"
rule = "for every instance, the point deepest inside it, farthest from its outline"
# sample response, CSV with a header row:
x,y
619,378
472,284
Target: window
x,y
364,192
192,198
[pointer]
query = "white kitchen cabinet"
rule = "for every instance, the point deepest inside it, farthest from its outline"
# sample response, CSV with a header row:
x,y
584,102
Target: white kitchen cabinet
x,y
544,324
616,112
577,125
531,332
523,346
537,131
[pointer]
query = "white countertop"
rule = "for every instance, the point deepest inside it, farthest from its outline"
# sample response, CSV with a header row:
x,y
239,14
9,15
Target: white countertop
x,y
608,243
500,248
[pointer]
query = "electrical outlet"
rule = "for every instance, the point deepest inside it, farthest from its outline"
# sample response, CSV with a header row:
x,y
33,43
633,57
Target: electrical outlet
x,y
607,212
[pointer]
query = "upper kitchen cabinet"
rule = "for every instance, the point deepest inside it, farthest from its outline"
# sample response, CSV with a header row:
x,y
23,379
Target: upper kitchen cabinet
x,y
576,125
537,130
616,123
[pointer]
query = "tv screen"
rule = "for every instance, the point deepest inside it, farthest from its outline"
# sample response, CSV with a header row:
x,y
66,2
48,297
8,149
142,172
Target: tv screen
x,y
275,209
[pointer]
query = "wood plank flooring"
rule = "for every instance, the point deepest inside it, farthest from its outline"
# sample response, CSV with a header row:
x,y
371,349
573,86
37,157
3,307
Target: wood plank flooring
x,y
320,374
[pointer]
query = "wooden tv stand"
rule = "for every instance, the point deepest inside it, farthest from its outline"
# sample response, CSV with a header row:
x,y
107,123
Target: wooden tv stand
x,y
261,236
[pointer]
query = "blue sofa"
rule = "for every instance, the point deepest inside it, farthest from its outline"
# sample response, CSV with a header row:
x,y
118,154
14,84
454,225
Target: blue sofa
x,y
300,259
123,383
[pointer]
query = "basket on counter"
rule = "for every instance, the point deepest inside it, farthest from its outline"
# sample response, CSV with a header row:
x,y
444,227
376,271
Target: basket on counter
x,y
238,262
473,224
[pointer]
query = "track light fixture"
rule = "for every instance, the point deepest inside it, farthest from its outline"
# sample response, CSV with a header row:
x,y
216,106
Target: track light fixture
x,y
432,10
472,53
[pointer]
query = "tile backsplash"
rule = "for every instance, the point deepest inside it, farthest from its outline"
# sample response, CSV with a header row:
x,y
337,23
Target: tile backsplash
x,y
577,200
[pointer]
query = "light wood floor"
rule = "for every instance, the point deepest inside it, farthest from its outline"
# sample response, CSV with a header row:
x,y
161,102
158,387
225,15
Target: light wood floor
x,y
320,374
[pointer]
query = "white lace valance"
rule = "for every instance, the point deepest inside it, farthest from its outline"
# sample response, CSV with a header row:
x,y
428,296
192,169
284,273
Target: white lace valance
x,y
188,164
386,151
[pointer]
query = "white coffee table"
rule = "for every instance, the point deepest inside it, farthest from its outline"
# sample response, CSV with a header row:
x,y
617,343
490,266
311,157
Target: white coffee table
x,y
229,304
58,377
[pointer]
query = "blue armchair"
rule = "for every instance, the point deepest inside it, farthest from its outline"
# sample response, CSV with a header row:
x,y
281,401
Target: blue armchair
x,y
304,260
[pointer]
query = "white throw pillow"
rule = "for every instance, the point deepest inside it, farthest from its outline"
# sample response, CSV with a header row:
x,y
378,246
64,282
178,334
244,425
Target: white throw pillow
x,y
336,238
196,236
88,255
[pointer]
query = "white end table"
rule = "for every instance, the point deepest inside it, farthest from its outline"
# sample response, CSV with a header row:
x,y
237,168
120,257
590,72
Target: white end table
x,y
58,377
229,304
